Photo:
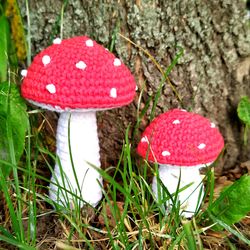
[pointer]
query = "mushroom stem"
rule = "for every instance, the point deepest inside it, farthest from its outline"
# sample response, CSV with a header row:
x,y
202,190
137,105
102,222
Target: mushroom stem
x,y
84,147
190,179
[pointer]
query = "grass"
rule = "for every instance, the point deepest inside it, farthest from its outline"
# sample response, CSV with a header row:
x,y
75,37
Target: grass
x,y
129,215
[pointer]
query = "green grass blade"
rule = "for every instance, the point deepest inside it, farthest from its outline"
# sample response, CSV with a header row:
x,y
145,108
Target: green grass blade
x,y
231,245
114,36
16,243
162,83
140,115
177,241
5,189
106,221
71,158
211,182
32,220
4,47
15,174
230,229
78,229
64,5
189,235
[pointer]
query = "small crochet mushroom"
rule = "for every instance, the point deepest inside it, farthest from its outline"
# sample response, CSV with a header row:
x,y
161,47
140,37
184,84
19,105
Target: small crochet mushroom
x,y
181,143
77,77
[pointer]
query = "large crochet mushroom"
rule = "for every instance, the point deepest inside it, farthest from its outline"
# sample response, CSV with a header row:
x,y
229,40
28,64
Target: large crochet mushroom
x,y
181,143
77,77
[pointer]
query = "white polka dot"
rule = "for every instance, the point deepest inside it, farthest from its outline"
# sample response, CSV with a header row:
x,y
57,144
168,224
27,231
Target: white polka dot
x,y
106,49
144,139
212,125
51,88
165,153
184,110
136,88
57,40
113,93
176,122
202,146
46,60
24,72
117,62
81,65
89,43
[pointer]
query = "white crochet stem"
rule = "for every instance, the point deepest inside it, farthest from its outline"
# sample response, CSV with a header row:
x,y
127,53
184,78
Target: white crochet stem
x,y
189,198
85,149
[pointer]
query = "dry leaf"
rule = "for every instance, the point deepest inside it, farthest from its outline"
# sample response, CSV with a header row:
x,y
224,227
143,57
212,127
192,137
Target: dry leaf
x,y
110,215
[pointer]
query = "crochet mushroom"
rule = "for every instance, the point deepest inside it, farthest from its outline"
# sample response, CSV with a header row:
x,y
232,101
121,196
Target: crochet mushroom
x,y
77,77
181,143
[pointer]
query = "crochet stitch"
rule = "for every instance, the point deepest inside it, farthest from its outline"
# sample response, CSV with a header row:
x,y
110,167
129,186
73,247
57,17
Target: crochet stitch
x,y
85,153
78,73
181,138
182,143
188,177
77,77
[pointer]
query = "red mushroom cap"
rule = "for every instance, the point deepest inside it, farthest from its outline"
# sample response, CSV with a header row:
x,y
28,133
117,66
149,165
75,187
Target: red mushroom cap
x,y
78,73
181,138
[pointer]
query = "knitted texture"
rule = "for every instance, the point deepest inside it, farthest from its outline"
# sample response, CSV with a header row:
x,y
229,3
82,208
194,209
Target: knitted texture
x,y
78,73
181,138
190,197
85,153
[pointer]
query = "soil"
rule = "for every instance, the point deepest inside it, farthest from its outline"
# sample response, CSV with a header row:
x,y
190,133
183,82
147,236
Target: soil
x,y
52,231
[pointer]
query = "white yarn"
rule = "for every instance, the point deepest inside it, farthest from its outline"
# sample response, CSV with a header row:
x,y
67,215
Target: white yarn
x,y
85,149
189,197
61,110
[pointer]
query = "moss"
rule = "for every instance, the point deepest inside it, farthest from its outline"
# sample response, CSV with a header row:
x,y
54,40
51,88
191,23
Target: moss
x,y
17,31
214,36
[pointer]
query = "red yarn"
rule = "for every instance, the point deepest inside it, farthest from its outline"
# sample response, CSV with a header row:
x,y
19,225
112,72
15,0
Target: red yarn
x,y
181,138
99,85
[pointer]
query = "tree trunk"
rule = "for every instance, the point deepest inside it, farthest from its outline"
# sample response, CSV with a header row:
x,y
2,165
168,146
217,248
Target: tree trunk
x,y
210,77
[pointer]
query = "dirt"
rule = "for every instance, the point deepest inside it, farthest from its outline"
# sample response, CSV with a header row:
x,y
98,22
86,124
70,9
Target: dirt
x,y
53,231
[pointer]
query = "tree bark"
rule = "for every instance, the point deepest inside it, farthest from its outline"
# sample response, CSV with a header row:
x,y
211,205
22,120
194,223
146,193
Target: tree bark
x,y
210,77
